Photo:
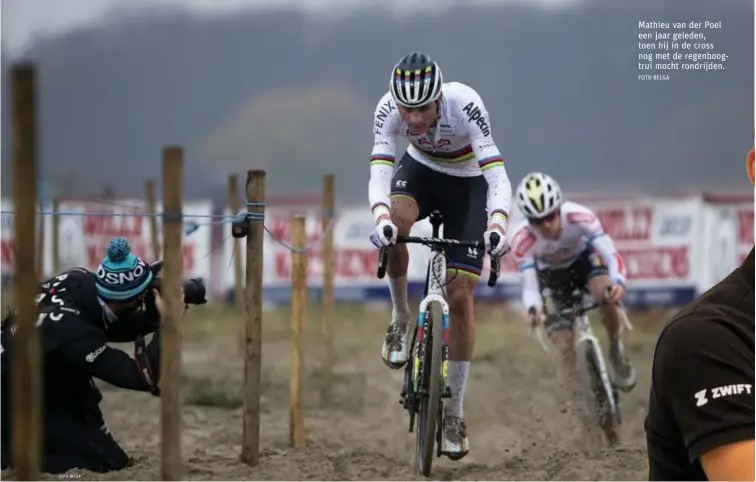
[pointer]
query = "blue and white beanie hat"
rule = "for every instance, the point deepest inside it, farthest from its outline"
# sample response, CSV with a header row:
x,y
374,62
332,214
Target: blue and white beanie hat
x,y
122,275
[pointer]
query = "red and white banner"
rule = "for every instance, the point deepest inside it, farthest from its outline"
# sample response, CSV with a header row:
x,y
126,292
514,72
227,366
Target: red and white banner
x,y
666,243
355,259
84,238
658,239
727,238
7,239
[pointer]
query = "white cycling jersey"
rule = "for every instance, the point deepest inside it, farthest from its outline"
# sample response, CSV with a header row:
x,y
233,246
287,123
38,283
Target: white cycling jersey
x,y
580,229
459,145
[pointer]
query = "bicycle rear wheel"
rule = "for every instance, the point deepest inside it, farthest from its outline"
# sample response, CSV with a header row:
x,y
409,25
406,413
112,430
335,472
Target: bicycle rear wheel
x,y
600,395
430,403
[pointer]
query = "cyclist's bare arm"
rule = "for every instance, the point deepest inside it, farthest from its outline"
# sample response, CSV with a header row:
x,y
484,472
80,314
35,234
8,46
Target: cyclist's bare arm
x,y
733,461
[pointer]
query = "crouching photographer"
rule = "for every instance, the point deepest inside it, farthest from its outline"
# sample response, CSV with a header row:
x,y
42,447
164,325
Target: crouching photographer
x,y
79,313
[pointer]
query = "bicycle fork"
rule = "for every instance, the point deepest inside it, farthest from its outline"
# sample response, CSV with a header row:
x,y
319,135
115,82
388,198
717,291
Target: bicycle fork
x,y
415,372
587,336
420,347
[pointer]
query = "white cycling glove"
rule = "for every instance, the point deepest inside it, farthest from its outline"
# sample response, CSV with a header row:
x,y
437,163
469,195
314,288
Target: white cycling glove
x,y
379,238
500,248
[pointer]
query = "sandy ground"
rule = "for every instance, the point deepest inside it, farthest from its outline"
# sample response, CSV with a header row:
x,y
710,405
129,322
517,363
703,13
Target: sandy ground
x,y
518,425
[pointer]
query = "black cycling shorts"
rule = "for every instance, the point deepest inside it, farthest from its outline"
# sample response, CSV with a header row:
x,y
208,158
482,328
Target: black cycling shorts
x,y
460,200
562,282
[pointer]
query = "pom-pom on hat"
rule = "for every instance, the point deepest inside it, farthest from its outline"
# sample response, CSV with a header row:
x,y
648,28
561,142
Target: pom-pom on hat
x,y
122,275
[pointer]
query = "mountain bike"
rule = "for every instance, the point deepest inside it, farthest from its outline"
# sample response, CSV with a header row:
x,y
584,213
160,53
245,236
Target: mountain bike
x,y
425,375
604,395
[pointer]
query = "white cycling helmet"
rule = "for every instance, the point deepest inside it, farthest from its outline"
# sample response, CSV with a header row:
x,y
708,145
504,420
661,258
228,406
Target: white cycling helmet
x,y
538,195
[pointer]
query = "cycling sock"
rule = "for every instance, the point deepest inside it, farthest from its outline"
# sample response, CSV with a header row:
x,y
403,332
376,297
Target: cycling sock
x,y
398,289
458,372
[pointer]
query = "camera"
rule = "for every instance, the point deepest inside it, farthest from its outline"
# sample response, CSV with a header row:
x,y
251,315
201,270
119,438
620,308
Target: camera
x,y
240,226
194,288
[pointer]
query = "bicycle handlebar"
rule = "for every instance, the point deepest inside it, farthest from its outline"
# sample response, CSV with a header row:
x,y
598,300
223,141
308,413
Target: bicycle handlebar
x,y
580,310
583,308
493,274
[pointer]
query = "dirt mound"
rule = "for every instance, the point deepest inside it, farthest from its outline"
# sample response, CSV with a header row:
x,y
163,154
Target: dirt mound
x,y
519,426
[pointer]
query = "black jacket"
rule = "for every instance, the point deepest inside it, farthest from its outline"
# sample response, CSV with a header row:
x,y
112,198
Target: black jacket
x,y
75,332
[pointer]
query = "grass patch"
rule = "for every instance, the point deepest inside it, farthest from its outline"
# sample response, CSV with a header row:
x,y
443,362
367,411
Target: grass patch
x,y
220,320
353,321
210,393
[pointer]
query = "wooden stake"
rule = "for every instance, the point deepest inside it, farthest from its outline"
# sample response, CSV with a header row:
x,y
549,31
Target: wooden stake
x,y
27,375
170,326
250,453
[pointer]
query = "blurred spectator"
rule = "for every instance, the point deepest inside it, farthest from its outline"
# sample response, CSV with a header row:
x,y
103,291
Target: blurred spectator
x,y
700,423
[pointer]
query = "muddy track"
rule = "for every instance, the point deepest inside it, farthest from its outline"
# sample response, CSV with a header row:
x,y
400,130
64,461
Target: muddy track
x,y
519,427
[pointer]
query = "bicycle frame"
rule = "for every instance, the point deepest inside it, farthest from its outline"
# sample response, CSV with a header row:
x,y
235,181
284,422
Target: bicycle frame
x,y
587,343
421,381
434,293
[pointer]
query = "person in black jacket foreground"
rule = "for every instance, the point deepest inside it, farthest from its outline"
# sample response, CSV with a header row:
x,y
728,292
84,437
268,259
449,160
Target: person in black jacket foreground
x,y
79,313
700,421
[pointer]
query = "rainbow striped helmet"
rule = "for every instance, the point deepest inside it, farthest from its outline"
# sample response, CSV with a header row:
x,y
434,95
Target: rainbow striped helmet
x,y
416,80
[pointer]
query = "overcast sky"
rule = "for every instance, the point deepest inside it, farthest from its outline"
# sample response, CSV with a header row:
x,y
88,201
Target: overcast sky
x,y
22,20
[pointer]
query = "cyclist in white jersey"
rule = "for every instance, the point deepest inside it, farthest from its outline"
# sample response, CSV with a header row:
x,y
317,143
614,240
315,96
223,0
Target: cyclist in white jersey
x,y
561,246
452,165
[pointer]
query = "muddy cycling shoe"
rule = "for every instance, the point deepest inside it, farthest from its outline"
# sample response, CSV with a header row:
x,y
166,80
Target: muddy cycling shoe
x,y
395,349
454,443
625,373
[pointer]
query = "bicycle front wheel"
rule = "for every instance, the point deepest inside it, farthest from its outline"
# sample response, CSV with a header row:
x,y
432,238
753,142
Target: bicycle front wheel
x,y
430,402
603,406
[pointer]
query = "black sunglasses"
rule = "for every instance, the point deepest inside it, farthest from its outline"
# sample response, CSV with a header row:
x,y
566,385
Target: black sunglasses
x,y
545,219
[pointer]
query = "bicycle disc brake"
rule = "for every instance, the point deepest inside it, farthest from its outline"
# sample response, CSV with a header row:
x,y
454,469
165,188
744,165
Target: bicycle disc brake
x,y
407,398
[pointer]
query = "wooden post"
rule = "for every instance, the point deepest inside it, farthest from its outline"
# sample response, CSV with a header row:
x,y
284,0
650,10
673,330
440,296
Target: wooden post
x,y
329,206
149,191
234,203
250,453
55,241
170,327
298,314
27,374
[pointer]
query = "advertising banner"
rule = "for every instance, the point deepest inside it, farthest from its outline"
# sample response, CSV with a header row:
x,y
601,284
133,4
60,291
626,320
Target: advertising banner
x,y
84,238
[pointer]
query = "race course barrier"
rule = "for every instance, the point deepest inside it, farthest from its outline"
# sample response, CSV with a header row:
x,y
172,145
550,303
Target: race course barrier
x,y
674,249
27,362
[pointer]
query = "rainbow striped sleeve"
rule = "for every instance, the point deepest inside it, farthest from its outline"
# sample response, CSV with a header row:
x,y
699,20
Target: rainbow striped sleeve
x,y
490,162
382,159
500,212
380,206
